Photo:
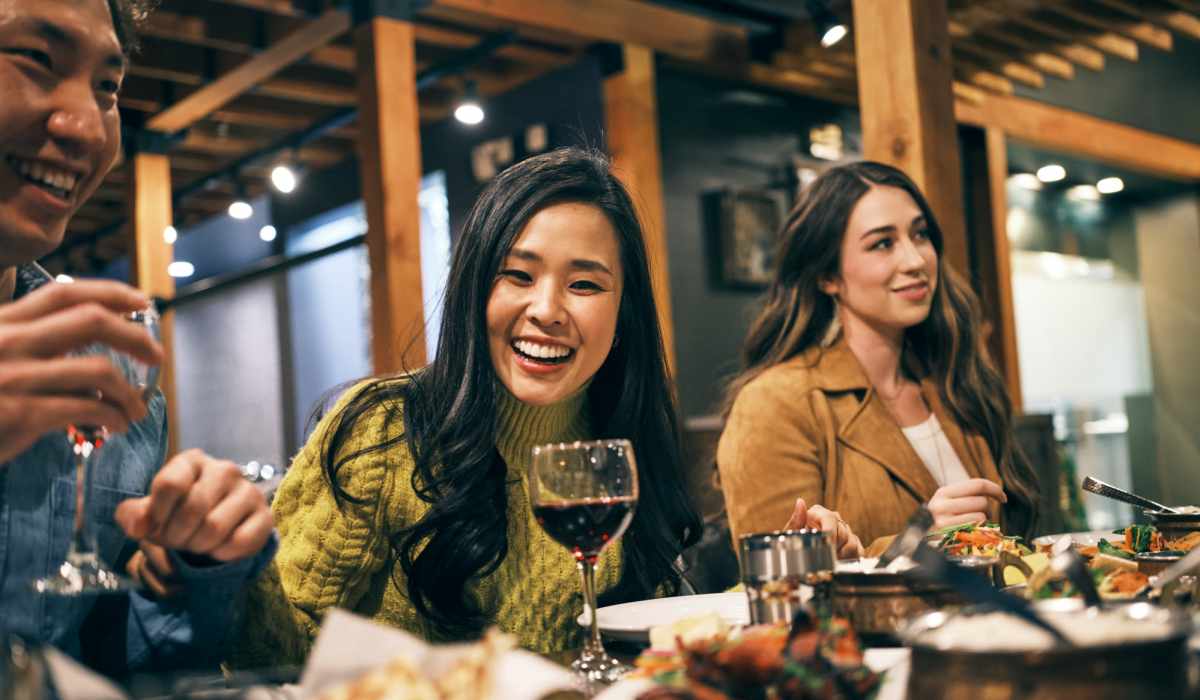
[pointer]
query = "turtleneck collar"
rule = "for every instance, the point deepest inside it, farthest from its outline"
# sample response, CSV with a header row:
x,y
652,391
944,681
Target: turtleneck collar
x,y
520,426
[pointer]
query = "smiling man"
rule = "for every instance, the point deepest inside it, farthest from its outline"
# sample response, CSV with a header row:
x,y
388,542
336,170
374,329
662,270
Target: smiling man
x,y
194,523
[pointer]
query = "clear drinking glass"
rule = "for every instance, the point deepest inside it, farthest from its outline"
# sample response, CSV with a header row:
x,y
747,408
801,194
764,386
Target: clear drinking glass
x,y
83,573
584,495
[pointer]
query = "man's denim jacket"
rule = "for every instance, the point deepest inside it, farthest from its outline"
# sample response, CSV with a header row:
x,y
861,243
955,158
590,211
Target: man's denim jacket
x,y
115,633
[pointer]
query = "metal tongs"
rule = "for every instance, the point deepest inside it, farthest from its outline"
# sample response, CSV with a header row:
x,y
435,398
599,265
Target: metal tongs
x,y
935,567
1109,491
909,538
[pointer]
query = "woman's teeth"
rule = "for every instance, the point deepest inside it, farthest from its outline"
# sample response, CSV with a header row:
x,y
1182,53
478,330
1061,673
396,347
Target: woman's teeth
x,y
59,182
542,353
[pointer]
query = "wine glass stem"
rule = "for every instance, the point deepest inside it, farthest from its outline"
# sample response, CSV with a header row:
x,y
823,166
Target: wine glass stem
x,y
82,544
587,568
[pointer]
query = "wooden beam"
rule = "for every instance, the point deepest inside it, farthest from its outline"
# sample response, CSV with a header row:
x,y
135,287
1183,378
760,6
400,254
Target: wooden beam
x,y
680,34
1134,31
1077,26
984,21
1007,65
1068,46
390,162
631,130
150,198
254,71
1183,23
907,105
1080,134
986,163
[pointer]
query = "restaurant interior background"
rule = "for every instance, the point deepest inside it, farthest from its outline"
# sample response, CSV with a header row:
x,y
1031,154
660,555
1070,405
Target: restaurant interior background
x,y
1104,286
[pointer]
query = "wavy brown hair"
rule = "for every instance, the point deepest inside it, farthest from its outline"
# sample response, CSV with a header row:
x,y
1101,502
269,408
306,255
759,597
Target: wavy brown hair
x,y
947,346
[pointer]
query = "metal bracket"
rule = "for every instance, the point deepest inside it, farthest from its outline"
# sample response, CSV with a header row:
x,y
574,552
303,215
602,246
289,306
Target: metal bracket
x,y
365,10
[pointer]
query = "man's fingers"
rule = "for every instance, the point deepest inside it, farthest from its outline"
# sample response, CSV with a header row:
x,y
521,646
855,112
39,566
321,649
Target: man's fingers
x,y
170,487
247,539
41,414
219,525
76,327
115,296
194,512
81,376
133,516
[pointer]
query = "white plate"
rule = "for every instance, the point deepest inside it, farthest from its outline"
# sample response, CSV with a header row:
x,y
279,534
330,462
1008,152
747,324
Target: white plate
x,y
1083,539
631,622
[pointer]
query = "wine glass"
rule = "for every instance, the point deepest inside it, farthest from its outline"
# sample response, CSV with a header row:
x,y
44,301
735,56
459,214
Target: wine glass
x,y
584,495
83,572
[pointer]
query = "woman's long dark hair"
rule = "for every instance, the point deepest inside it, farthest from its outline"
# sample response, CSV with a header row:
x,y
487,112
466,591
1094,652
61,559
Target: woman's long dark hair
x,y
450,406
948,345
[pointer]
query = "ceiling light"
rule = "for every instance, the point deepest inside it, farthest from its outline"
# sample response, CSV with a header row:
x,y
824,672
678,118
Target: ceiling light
x,y
1051,173
1110,185
827,25
170,235
181,268
284,179
267,233
1086,193
469,109
64,279
1027,180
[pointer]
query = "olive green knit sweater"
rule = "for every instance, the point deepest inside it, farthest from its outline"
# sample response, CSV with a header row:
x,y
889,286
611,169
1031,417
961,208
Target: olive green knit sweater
x,y
333,555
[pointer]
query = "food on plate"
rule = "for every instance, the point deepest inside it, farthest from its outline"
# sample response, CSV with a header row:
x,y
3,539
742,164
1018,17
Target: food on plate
x,y
1000,632
1186,543
979,540
814,659
468,677
690,629
1113,583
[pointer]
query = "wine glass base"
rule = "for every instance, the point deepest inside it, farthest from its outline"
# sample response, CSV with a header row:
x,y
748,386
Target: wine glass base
x,y
85,577
597,668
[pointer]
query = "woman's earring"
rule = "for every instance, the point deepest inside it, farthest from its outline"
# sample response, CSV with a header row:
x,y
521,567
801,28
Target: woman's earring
x,y
834,329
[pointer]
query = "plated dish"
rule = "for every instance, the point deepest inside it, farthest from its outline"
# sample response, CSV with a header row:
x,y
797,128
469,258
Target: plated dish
x,y
631,622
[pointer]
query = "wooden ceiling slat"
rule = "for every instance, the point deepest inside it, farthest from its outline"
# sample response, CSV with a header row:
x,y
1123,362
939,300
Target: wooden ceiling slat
x,y
314,34
679,34
1183,23
1137,31
1070,24
986,21
442,36
1068,46
1010,68
976,74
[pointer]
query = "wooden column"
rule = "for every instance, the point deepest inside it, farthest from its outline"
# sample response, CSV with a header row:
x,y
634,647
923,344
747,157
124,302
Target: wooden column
x,y
987,167
389,149
906,100
631,129
150,198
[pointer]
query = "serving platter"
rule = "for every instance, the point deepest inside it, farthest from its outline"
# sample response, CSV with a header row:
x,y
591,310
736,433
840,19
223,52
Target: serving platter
x,y
1082,539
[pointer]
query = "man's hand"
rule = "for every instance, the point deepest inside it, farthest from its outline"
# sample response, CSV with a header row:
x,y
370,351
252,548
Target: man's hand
x,y
151,567
43,390
200,505
845,543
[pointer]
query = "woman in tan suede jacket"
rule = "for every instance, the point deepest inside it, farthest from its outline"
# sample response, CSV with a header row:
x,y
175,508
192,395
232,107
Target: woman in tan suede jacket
x,y
866,385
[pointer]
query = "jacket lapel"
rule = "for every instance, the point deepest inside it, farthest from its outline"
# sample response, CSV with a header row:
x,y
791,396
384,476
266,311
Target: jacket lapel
x,y
873,432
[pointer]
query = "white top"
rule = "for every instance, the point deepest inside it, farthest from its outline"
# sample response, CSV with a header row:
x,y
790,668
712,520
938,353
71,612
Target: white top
x,y
930,443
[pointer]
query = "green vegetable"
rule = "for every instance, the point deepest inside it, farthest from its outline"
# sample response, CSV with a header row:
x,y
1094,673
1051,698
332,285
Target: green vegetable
x,y
1142,534
1105,547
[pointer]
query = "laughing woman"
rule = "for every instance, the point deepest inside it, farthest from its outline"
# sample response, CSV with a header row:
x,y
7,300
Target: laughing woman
x,y
408,504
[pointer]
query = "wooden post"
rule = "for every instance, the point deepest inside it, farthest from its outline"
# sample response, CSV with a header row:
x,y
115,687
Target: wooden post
x,y
631,129
150,198
389,145
907,104
987,165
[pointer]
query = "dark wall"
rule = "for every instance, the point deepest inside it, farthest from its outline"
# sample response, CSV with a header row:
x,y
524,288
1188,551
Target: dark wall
x,y
716,135
1160,92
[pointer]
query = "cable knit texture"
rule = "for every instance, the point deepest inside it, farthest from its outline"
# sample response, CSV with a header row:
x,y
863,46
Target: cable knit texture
x,y
333,555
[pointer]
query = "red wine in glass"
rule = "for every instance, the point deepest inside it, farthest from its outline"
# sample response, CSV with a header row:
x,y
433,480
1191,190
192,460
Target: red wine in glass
x,y
586,525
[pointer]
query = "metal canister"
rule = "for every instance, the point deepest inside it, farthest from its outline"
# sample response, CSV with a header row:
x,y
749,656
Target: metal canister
x,y
779,567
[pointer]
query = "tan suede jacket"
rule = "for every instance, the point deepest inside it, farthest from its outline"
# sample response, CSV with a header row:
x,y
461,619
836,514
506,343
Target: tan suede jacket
x,y
813,427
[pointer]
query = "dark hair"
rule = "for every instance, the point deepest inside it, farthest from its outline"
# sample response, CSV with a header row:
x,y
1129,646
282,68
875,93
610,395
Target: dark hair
x,y
948,345
127,15
450,406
